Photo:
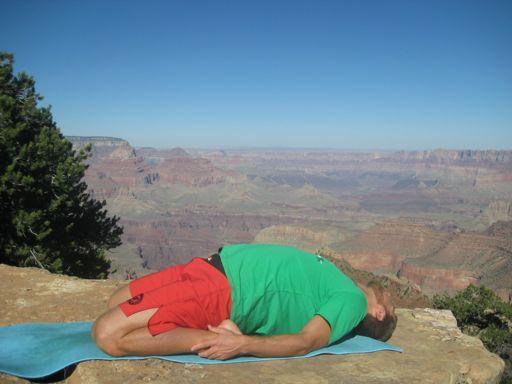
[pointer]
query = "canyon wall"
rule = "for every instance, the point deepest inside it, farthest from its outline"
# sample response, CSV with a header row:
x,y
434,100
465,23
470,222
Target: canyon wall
x,y
421,215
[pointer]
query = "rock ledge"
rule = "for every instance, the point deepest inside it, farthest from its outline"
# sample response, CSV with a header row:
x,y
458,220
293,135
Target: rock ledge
x,y
435,351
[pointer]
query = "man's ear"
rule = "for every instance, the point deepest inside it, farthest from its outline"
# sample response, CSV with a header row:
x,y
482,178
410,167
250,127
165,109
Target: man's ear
x,y
380,314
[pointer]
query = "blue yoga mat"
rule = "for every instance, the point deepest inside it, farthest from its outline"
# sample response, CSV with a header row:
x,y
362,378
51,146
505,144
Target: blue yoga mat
x,y
35,350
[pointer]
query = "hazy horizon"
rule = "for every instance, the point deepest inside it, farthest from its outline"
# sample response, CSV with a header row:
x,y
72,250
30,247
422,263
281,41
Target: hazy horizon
x,y
171,146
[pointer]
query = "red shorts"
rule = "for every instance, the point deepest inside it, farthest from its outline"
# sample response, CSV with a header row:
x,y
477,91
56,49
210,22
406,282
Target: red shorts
x,y
190,295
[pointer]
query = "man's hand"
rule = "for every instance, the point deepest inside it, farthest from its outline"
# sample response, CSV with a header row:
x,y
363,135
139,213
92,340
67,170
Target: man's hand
x,y
230,326
226,345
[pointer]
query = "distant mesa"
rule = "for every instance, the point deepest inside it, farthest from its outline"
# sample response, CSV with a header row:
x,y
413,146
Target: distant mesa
x,y
94,139
104,147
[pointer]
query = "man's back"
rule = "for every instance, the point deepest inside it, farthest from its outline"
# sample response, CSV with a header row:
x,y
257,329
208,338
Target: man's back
x,y
276,289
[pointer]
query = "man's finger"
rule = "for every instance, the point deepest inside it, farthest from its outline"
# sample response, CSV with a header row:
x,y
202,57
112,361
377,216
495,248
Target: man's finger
x,y
218,356
207,353
202,345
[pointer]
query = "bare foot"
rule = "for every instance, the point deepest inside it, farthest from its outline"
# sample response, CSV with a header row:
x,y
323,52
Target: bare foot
x,y
230,326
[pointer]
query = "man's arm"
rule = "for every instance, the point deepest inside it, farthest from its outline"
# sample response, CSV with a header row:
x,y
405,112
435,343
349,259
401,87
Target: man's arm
x,y
314,335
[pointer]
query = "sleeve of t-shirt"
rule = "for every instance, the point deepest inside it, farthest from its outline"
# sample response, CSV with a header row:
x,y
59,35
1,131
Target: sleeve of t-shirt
x,y
343,311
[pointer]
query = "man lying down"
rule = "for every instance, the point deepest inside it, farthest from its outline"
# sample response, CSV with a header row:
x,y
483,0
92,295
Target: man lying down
x,y
249,299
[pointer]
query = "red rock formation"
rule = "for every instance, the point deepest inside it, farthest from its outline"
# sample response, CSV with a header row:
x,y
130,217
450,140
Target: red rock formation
x,y
436,260
396,239
376,262
190,171
109,177
433,280
115,168
186,234
404,293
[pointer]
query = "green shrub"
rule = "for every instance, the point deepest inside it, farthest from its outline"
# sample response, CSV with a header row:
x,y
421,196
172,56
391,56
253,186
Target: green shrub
x,y
480,312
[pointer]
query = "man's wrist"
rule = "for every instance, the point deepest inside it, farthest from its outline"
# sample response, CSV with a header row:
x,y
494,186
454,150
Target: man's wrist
x,y
245,347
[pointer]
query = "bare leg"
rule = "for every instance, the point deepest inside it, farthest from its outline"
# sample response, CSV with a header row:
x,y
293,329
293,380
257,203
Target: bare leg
x,y
178,340
119,335
122,294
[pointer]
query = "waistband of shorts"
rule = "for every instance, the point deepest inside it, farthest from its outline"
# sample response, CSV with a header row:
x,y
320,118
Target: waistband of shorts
x,y
215,261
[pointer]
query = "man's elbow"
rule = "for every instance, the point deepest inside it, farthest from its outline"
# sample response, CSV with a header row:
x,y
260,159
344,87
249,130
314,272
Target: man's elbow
x,y
304,348
312,343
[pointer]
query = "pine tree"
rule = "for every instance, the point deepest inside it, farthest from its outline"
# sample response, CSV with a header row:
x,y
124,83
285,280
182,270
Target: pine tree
x,y
47,218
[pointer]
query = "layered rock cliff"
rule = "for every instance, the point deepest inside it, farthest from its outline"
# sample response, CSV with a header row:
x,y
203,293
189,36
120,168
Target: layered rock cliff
x,y
436,258
435,351
115,167
104,147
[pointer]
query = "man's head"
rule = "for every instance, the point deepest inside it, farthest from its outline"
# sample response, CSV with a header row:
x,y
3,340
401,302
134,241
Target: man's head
x,y
380,321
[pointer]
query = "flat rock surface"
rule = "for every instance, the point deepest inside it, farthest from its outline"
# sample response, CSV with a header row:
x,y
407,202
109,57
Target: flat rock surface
x,y
435,351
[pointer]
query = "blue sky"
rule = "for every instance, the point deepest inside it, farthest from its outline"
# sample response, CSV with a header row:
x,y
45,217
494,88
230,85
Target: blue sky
x,y
341,74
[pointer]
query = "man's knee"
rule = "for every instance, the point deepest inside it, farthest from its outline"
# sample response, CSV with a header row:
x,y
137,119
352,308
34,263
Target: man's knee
x,y
105,339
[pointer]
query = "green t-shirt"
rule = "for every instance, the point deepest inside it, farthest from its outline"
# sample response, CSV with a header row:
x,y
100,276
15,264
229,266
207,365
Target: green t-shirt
x,y
277,289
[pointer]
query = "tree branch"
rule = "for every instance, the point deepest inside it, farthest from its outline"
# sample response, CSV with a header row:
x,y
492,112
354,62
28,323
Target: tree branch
x,y
32,252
